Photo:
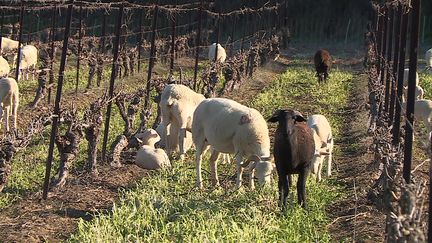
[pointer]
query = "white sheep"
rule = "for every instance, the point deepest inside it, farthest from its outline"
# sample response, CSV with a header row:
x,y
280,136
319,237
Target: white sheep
x,y
419,93
147,156
422,112
178,103
428,57
323,140
4,67
29,56
8,45
221,54
9,96
229,127
174,141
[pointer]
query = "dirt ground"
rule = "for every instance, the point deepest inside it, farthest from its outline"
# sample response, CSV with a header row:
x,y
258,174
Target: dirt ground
x,y
353,218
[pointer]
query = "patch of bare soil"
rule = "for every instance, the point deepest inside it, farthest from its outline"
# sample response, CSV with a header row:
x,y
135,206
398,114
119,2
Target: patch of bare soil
x,y
355,218
54,219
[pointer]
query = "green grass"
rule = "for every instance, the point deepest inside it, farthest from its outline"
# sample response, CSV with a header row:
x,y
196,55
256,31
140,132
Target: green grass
x,y
166,207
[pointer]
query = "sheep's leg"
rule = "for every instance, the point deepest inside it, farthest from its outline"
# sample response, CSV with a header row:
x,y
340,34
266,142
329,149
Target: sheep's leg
x,y
213,167
15,111
239,169
182,135
200,146
283,185
7,118
301,188
329,164
318,170
251,179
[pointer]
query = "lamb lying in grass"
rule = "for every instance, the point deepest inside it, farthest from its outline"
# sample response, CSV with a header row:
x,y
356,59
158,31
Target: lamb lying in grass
x,y
147,156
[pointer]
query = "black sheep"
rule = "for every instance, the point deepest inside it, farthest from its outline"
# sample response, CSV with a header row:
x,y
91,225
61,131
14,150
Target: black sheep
x,y
323,63
293,151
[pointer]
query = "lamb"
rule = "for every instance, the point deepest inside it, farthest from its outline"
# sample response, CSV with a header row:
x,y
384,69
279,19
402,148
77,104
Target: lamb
x,y
147,156
323,140
4,67
294,150
221,54
428,58
29,56
9,96
229,127
178,103
8,45
323,62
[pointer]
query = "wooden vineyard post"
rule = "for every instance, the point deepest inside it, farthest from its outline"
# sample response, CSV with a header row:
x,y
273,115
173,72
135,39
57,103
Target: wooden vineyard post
x,y
1,30
389,52
217,38
140,37
398,16
19,41
56,114
152,56
79,49
401,67
114,71
409,127
197,45
382,55
52,57
173,39
102,41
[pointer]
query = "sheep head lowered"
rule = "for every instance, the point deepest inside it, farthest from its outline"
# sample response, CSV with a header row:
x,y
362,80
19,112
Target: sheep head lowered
x,y
264,167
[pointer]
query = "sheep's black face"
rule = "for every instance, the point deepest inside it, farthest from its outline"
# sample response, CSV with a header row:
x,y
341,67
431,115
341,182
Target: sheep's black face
x,y
286,119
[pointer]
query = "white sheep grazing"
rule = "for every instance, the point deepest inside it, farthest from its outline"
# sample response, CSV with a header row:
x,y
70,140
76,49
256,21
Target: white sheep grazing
x,y
8,45
422,112
29,56
147,156
221,54
178,103
323,141
173,139
405,77
428,58
9,96
4,68
229,127
419,93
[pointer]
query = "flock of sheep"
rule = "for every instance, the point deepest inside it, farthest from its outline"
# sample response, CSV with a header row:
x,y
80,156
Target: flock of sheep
x,y
225,126
228,127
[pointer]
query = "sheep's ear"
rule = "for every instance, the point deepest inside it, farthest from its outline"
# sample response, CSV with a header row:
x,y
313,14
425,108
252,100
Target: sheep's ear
x,y
275,116
299,118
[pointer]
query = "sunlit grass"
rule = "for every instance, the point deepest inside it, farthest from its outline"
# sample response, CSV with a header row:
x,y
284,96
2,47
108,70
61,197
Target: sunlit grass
x,y
166,207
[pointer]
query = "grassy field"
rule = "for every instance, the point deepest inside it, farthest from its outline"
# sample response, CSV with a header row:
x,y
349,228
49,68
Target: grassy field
x,y
166,206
